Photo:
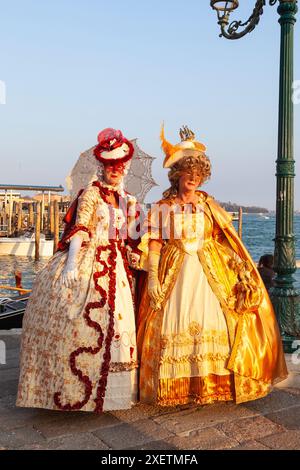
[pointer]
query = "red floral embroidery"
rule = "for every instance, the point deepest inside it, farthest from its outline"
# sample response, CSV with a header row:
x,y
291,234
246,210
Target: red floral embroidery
x,y
109,268
100,394
83,378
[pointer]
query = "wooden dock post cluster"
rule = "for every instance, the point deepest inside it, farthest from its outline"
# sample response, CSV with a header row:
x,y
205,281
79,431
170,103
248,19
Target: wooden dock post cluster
x,y
53,226
33,217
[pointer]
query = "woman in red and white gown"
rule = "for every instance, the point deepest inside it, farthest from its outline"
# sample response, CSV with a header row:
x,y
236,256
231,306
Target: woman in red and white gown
x,y
78,348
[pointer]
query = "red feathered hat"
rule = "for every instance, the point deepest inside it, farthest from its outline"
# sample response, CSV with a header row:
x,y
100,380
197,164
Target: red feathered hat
x,y
113,147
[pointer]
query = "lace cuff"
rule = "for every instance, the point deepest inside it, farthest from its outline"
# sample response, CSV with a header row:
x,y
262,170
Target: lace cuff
x,y
81,229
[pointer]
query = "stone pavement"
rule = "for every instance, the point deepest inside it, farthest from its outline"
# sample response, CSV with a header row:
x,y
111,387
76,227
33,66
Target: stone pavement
x,y
270,423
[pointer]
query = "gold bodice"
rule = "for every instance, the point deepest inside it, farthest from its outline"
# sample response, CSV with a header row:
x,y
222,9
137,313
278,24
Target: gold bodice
x,y
192,224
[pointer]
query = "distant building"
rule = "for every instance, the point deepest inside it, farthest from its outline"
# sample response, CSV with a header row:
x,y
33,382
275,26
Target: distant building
x,y
54,197
15,196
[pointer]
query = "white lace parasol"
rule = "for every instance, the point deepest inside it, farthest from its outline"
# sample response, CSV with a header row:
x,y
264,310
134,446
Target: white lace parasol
x,y
138,181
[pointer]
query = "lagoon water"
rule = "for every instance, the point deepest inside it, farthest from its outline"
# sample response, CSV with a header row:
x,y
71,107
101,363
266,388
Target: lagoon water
x,y
258,234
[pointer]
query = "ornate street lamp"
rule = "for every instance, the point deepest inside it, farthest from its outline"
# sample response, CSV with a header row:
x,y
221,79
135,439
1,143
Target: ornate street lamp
x,y
285,298
237,29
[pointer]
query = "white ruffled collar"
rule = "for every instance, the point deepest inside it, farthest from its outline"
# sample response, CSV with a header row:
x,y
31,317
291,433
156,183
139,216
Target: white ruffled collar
x,y
118,188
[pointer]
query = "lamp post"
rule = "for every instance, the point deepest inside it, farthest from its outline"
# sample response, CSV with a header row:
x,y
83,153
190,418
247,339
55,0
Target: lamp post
x,y
285,298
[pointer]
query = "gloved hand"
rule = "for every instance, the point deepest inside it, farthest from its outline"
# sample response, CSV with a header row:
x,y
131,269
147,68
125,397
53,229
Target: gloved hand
x,y
154,287
70,273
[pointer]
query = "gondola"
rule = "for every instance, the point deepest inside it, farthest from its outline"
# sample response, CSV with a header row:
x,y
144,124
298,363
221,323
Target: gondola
x,y
12,311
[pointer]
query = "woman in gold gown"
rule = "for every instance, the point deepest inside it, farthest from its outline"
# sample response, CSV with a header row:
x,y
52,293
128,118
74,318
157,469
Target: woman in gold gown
x,y
206,327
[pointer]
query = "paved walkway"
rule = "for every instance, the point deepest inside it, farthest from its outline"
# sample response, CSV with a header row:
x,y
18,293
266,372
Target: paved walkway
x,y
270,423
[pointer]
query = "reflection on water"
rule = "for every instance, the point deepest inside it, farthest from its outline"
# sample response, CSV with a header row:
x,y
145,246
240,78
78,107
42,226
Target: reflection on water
x,y
27,266
258,234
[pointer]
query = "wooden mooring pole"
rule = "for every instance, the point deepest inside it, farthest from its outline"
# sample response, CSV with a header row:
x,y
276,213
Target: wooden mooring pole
x,y
42,210
20,218
37,230
10,210
18,279
56,226
30,215
51,217
240,222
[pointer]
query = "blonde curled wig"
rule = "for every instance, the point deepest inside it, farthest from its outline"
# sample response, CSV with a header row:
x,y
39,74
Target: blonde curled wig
x,y
200,164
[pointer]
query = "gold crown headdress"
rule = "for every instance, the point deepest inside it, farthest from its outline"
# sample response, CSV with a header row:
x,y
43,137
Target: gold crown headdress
x,y
188,147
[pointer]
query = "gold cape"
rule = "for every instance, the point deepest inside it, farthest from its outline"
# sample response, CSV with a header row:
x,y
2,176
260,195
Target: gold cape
x,y
257,360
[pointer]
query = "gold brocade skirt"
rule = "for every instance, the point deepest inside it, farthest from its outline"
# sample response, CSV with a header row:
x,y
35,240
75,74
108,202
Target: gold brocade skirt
x,y
195,346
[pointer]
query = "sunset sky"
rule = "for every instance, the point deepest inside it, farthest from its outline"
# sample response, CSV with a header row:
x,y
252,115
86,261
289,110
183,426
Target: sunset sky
x,y
72,68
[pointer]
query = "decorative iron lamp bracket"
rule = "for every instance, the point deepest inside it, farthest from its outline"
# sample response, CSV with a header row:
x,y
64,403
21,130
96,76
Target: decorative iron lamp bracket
x,y
237,29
